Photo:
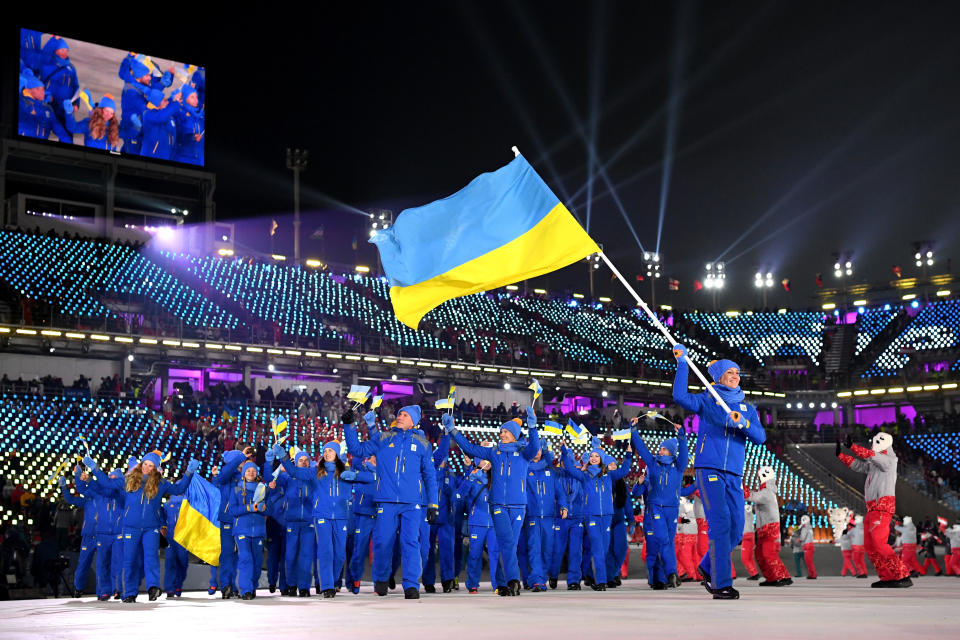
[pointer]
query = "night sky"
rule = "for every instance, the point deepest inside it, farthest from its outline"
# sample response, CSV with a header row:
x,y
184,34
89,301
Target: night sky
x,y
799,128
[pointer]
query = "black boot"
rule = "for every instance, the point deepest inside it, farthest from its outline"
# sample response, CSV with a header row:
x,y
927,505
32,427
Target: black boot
x,y
658,586
553,583
514,586
447,586
429,588
380,588
726,593
304,593
785,582
77,593
272,588
247,596
587,581
411,593
617,580
329,593
503,591
598,586
154,593
130,599
706,580
392,583
755,576
673,581
227,592
573,586
612,585
903,583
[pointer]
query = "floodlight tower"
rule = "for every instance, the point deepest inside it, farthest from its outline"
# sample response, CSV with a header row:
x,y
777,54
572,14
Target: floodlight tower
x,y
297,162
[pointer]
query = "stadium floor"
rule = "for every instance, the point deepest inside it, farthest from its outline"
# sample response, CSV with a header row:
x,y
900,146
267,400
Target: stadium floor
x,y
832,605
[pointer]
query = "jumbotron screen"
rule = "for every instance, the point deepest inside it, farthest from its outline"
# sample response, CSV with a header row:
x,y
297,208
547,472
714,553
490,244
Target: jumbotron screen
x,y
123,102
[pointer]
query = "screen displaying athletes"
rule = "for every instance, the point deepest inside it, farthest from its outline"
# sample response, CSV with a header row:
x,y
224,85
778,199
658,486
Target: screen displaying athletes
x,y
120,101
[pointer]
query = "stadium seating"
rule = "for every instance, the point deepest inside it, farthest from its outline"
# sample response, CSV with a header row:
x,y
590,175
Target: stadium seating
x,y
942,447
764,335
936,326
870,322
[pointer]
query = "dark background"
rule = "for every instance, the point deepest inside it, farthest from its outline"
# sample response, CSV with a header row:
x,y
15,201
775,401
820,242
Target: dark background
x,y
801,128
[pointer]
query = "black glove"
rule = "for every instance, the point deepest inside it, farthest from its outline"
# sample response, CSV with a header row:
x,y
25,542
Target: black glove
x,y
848,442
432,514
347,417
838,448
685,520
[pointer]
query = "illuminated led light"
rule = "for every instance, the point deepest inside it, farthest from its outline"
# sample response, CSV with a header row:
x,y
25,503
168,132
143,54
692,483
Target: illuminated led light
x,y
949,385
604,299
97,336
521,372
782,311
544,374
389,360
439,365
352,357
233,347
506,370
254,349
225,252
540,292
914,389
50,332
732,314
148,341
169,343
371,359
278,257
860,392
895,390
81,336
666,307
626,381
512,287
190,345
457,366
29,332
568,376
578,296
276,352
214,347
408,362
313,262
335,356
582,377
312,354
909,296
362,269
4,330
931,387
829,305
597,378
473,368
123,339
877,392
489,369
291,352
943,292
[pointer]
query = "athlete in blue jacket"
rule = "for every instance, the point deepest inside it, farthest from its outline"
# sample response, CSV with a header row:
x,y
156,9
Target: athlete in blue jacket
x,y
665,474
399,492
59,76
568,532
249,508
474,493
177,558
620,525
719,456
109,550
300,543
225,575
441,534
144,491
365,516
88,534
598,479
546,500
508,492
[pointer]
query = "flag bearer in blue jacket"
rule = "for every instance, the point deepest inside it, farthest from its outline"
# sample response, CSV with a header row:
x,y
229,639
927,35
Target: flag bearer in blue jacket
x,y
474,493
276,531
300,543
568,532
398,494
249,508
365,516
88,534
546,500
224,480
442,532
598,479
508,493
144,489
177,558
719,457
665,473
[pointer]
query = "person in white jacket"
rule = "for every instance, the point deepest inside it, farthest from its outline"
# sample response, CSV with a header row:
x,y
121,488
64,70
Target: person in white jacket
x,y
908,533
806,543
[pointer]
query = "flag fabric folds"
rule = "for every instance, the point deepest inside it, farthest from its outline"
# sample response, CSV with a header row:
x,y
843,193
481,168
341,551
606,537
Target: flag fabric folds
x,y
621,434
377,401
280,425
198,530
575,430
443,403
554,428
536,388
358,393
503,227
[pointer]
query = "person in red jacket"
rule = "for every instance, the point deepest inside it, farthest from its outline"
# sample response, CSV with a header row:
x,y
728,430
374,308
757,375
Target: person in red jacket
x,y
880,464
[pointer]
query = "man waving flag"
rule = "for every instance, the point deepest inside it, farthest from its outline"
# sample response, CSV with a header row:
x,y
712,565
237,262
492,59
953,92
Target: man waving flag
x,y
503,227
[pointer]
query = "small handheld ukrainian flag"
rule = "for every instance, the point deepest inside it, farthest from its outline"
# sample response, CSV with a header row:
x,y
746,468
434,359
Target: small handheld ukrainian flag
x,y
279,424
198,529
578,431
443,403
621,434
377,401
503,227
358,393
536,388
553,428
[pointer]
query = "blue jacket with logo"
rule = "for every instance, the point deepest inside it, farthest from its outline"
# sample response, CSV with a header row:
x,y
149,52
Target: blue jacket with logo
x,y
720,445
250,520
545,496
664,478
405,471
597,486
476,499
365,491
139,511
509,465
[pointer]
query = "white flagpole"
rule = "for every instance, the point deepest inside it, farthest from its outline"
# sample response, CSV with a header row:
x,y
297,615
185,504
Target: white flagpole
x,y
665,332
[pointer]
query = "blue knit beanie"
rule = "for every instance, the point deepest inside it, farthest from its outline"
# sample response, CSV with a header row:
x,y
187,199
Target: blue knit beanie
x,y
671,445
414,411
300,454
231,459
513,426
153,457
248,465
719,367
107,102
138,69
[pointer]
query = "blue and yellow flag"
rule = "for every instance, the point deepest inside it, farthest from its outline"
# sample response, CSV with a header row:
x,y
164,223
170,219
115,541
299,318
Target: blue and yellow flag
x,y
574,429
621,434
551,427
198,530
503,227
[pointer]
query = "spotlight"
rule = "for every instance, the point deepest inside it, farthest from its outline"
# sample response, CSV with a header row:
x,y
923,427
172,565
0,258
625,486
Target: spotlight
x,y
270,367
393,377
789,406
833,405
506,385
603,393
129,357
335,370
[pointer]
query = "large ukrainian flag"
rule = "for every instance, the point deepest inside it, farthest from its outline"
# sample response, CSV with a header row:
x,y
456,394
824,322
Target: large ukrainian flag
x,y
503,227
198,529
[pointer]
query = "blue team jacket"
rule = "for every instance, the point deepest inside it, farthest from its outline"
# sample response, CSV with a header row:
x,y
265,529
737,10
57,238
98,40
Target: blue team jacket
x,y
509,464
597,488
405,471
664,479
